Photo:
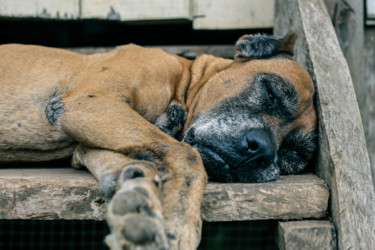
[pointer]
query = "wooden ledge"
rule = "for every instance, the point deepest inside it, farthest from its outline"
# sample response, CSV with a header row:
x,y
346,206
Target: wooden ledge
x,y
69,194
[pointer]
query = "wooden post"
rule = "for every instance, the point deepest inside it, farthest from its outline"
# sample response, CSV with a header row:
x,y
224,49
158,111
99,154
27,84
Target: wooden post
x,y
342,158
348,21
305,235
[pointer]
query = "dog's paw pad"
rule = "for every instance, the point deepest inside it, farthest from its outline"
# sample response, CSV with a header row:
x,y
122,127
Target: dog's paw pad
x,y
132,173
138,232
54,109
142,230
131,202
136,169
135,216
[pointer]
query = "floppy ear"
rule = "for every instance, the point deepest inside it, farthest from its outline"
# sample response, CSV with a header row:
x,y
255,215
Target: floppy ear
x,y
263,46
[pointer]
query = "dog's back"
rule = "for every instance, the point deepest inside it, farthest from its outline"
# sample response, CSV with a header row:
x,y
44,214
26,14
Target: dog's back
x,y
30,76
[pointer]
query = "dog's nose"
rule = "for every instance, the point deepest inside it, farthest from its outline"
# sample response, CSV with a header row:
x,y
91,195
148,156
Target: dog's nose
x,y
260,148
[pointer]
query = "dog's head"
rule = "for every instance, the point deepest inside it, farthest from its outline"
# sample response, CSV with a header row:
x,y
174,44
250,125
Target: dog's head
x,y
254,119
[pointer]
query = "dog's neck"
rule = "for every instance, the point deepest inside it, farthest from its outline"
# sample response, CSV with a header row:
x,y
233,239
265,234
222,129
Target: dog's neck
x,y
201,70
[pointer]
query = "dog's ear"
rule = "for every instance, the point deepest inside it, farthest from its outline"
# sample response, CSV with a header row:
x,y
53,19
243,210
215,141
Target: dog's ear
x,y
264,46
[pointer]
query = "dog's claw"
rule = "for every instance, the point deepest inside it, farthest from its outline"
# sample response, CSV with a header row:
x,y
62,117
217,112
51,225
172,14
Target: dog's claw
x,y
54,109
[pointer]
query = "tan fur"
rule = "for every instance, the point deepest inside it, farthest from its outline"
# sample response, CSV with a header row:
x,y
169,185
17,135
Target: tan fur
x,y
109,101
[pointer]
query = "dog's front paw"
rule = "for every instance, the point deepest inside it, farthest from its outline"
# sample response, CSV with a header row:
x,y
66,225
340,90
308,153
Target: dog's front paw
x,y
171,122
135,214
54,109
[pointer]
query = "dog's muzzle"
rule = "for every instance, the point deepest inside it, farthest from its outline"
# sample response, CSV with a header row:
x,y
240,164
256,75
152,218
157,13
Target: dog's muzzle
x,y
248,158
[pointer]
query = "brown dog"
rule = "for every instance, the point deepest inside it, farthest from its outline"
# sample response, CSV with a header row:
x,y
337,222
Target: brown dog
x,y
250,118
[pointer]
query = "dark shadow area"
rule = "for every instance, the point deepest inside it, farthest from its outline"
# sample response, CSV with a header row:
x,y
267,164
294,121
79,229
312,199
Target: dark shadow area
x,y
109,33
70,235
63,163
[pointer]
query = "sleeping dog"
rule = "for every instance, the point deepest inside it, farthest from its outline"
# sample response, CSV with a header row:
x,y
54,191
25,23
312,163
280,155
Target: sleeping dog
x,y
145,123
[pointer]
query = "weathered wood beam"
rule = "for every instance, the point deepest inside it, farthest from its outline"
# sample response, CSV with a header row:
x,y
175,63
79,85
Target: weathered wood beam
x,y
69,194
342,158
307,234
293,196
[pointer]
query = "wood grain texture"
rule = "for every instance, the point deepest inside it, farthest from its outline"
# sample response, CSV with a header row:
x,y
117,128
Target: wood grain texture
x,y
290,197
342,158
307,234
64,193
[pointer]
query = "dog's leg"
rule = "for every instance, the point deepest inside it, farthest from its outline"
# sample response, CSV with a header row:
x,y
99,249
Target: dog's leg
x,y
134,214
104,122
106,166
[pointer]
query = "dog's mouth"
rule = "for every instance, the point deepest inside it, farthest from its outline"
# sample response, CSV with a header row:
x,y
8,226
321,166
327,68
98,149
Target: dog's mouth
x,y
218,169
229,166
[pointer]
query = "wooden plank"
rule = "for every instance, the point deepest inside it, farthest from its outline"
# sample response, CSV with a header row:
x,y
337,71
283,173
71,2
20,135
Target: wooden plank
x,y
65,193
57,9
342,158
347,17
308,234
135,10
290,197
235,14
226,51
368,108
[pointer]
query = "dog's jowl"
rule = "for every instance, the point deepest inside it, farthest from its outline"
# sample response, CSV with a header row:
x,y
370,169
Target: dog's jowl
x,y
129,116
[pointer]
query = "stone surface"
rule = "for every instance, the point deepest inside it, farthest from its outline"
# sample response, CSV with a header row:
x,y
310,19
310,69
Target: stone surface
x,y
306,235
342,158
64,193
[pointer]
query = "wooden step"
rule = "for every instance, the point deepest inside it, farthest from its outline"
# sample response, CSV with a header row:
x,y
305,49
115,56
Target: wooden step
x,y
69,194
